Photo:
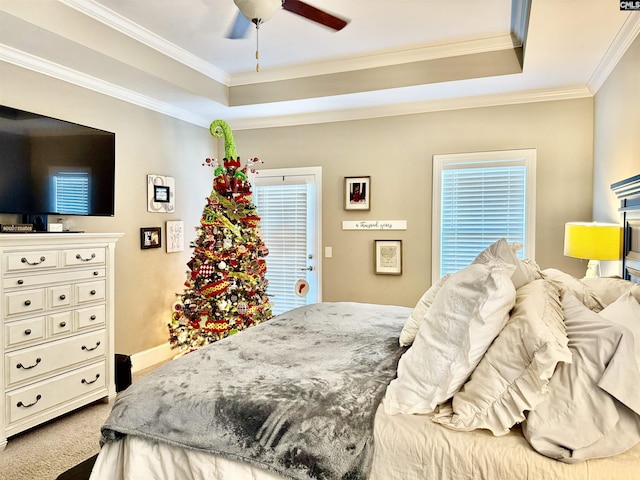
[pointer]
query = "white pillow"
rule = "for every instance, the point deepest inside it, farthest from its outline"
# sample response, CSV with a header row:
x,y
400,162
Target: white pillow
x,y
513,375
410,328
502,252
467,314
576,287
609,289
626,312
589,412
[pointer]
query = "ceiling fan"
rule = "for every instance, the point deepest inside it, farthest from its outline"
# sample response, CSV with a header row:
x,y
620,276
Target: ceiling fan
x,y
259,11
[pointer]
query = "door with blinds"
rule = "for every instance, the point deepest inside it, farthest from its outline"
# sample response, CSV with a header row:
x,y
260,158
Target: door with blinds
x,y
288,203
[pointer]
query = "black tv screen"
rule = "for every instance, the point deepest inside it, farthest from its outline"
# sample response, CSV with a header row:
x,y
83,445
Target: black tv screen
x,y
54,167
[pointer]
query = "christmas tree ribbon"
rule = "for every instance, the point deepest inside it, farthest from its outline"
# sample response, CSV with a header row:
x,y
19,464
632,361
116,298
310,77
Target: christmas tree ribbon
x,y
215,288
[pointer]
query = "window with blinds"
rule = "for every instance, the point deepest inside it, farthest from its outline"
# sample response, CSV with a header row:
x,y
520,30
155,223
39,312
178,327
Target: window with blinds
x,y
283,226
71,192
478,199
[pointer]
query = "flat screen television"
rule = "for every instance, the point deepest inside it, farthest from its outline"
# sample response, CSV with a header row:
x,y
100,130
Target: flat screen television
x,y
54,167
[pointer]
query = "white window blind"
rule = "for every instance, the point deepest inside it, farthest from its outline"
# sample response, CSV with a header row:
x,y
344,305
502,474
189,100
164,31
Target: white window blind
x,y
71,192
283,226
482,199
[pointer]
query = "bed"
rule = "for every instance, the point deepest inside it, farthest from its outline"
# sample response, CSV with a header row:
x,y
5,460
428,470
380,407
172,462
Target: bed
x,y
531,374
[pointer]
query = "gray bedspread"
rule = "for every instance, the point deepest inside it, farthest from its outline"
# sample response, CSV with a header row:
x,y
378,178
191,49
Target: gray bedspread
x,y
295,395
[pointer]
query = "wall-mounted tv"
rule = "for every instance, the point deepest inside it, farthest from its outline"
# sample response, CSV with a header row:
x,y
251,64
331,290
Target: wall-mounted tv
x,y
54,167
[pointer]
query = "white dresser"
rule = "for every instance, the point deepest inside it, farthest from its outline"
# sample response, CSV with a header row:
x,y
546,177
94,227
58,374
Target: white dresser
x,y
56,336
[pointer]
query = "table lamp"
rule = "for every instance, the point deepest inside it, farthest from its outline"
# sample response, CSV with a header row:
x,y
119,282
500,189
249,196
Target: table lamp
x,y
594,242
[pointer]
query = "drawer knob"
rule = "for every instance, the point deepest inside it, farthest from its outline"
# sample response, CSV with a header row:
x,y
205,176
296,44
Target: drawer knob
x,y
42,259
63,324
62,297
89,349
38,397
20,282
38,360
27,302
92,292
89,382
92,317
96,273
27,331
79,257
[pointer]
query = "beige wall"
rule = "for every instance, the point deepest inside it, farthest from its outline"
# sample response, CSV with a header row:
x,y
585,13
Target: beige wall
x,y
396,152
616,138
146,143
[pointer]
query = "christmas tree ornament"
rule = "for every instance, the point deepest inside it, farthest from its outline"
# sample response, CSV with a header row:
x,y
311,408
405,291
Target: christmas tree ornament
x,y
225,290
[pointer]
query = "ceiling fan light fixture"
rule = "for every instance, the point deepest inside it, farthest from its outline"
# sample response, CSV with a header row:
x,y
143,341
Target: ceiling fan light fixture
x,y
261,10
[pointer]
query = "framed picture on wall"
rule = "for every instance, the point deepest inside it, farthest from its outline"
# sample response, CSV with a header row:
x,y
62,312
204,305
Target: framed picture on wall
x,y
150,237
357,193
388,257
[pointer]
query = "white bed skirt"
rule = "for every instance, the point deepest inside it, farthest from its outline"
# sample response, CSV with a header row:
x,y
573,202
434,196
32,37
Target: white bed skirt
x,y
407,447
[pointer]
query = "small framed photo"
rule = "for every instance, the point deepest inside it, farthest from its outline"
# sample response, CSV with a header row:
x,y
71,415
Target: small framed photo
x,y
175,236
388,257
150,237
357,193
161,194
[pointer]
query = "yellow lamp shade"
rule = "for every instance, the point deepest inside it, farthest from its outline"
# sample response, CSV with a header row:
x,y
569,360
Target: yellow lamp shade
x,y
593,241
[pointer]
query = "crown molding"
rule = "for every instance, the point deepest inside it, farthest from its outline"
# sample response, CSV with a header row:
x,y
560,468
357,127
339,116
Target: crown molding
x,y
413,108
121,24
45,67
69,75
625,37
384,58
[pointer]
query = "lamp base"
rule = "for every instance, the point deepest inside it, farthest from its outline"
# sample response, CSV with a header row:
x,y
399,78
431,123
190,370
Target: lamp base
x,y
593,269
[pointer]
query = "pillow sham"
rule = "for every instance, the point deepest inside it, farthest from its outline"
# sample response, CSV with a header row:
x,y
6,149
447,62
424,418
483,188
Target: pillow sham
x,y
609,289
501,252
625,311
513,375
466,315
593,403
408,333
576,287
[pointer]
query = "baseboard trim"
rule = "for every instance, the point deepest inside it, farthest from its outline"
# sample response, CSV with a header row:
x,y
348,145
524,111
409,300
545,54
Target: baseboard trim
x,y
151,357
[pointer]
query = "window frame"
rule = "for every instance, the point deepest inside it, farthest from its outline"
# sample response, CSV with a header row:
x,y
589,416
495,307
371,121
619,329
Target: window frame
x,y
526,157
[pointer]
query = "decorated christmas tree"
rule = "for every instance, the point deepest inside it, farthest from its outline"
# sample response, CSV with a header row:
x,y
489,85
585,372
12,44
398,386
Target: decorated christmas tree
x,y
226,286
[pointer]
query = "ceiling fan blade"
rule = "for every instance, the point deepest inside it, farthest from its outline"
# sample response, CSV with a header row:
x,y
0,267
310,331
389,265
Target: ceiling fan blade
x,y
312,13
240,27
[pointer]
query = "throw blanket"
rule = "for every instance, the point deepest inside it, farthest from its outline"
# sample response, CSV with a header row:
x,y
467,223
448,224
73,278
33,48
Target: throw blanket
x,y
295,395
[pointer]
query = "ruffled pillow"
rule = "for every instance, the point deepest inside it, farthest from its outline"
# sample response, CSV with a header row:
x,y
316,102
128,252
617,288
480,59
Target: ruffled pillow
x,y
503,252
593,406
410,329
576,287
466,315
513,375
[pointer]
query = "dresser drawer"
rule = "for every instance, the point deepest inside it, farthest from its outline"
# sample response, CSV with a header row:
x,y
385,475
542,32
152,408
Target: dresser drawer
x,y
31,260
59,296
60,323
24,302
90,291
27,281
91,317
24,332
83,256
36,362
27,401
